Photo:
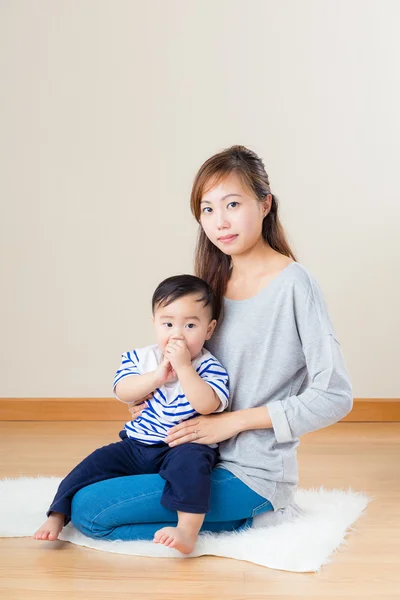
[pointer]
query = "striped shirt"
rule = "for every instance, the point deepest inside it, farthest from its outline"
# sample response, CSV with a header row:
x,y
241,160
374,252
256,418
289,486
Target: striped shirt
x,y
169,405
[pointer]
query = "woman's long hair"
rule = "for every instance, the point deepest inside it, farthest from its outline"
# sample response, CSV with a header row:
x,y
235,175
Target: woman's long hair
x,y
211,264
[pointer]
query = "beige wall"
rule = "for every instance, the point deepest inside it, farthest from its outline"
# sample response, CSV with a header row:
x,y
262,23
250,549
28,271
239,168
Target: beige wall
x,y
107,110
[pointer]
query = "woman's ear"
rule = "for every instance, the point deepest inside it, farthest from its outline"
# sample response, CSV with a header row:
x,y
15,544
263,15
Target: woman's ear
x,y
267,204
210,328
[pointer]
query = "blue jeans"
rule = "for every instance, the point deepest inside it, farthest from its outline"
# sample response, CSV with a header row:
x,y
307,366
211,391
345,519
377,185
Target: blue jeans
x,y
128,508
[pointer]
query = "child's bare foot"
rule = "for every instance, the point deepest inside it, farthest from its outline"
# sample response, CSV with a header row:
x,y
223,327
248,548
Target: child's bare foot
x,y
176,537
50,530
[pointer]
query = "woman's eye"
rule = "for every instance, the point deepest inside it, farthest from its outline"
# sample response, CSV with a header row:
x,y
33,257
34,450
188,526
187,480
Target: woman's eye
x,y
206,209
190,325
235,203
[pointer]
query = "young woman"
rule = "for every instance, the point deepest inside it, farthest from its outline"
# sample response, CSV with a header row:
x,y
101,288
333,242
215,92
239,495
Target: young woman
x,y
276,341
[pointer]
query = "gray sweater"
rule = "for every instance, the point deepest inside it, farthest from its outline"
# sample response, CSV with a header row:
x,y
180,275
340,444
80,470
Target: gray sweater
x,y
280,351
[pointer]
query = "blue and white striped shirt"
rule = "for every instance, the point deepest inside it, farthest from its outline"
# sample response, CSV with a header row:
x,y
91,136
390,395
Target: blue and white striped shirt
x,y
169,405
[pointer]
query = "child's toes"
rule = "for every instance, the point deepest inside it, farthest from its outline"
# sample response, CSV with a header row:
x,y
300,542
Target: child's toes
x,y
163,539
157,537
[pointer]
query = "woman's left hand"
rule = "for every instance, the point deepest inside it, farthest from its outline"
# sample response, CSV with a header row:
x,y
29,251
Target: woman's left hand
x,y
204,429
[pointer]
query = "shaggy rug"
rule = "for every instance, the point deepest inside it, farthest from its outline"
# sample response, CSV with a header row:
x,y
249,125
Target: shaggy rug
x,y
300,538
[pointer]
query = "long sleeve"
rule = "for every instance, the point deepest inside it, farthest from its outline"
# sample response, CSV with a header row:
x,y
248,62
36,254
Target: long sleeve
x,y
328,397
281,352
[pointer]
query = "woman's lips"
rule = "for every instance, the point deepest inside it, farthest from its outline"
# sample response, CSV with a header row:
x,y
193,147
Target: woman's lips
x,y
227,238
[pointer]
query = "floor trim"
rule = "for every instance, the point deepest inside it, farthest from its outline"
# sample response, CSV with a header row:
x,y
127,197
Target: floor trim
x,y
109,409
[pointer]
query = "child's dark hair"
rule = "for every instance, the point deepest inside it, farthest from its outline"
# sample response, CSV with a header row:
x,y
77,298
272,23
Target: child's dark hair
x,y
178,286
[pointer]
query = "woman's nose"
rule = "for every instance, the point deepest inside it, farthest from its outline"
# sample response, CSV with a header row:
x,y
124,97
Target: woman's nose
x,y
221,220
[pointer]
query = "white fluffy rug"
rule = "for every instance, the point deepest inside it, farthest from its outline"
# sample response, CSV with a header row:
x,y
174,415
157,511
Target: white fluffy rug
x,y
301,538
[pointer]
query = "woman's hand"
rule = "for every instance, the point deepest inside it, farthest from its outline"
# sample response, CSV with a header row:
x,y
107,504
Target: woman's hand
x,y
205,429
136,409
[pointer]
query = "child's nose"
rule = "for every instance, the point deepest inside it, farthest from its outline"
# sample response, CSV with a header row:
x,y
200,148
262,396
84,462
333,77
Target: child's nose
x,y
177,336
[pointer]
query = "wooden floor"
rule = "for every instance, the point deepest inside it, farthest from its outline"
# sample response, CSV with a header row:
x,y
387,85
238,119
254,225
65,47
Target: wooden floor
x,y
364,456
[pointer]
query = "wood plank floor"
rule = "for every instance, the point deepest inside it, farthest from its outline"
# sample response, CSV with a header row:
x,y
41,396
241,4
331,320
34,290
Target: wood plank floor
x,y
364,456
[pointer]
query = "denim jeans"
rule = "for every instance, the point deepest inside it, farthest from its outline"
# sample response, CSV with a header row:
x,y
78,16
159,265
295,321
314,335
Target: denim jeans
x,y
128,508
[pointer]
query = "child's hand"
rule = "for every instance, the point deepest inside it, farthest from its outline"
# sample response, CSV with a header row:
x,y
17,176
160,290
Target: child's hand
x,y
165,372
177,353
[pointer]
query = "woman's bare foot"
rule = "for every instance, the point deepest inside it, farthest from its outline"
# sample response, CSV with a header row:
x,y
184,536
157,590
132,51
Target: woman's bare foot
x,y
179,538
50,530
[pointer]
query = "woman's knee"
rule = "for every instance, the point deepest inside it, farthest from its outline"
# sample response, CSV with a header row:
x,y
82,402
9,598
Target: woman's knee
x,y
84,515
98,510
82,512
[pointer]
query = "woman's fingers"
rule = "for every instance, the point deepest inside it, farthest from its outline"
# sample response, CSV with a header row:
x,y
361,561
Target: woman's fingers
x,y
187,429
194,436
135,414
184,425
136,409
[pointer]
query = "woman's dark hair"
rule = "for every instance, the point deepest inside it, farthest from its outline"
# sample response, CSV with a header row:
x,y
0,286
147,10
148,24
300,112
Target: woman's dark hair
x,y
211,264
178,286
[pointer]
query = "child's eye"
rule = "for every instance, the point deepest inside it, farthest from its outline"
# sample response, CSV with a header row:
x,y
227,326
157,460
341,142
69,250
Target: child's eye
x,y
190,325
167,324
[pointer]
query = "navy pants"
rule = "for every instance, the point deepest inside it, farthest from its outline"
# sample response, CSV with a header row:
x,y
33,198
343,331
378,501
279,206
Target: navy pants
x,y
186,469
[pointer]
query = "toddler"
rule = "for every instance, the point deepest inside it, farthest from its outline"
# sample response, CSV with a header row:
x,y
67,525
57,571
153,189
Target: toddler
x,y
181,380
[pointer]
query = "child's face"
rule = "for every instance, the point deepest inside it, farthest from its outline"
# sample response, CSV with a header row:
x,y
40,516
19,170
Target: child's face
x,y
185,318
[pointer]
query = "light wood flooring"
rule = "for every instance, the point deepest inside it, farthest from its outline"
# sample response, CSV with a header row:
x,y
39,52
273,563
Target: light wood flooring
x,y
363,456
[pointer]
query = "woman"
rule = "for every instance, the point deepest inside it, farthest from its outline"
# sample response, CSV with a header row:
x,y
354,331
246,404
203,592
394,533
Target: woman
x,y
275,339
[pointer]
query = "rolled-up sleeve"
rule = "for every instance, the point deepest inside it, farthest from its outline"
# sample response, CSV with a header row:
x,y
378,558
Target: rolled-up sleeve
x,y
329,395
328,398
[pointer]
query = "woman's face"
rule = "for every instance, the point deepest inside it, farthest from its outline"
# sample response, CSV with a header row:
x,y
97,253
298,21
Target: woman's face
x,y
232,217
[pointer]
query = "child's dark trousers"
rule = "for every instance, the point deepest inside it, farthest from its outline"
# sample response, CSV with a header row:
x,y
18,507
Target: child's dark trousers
x,y
186,469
